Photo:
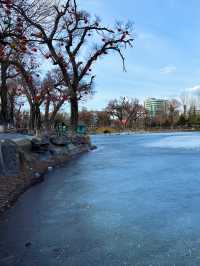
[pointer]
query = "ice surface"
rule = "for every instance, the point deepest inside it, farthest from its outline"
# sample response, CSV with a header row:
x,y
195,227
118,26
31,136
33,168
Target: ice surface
x,y
190,141
127,203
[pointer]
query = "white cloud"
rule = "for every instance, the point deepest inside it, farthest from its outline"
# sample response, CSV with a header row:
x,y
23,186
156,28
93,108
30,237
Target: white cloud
x,y
146,36
168,70
194,90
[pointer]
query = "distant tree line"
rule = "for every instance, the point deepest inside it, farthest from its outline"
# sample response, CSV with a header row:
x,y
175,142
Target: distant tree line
x,y
128,114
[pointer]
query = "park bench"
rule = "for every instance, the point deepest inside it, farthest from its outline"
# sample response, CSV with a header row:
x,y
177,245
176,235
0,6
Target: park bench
x,y
81,129
61,129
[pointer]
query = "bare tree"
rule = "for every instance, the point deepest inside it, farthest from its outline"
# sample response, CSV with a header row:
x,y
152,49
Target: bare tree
x,y
127,111
66,35
116,109
56,96
13,45
184,98
173,110
134,111
103,119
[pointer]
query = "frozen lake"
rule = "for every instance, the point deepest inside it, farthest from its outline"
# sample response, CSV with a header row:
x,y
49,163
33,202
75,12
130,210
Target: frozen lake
x,y
133,201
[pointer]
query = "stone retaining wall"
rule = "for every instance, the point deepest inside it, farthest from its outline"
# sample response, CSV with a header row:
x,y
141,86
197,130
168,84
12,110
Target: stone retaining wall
x,y
21,166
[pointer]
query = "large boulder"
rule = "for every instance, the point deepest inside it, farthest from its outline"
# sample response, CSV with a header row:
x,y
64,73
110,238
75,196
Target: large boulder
x,y
93,147
59,140
81,140
10,162
1,163
40,144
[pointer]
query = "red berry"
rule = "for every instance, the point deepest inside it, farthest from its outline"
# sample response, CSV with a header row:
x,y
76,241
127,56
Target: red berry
x,y
34,49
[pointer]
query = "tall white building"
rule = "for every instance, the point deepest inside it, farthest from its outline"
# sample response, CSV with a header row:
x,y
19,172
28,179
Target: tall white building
x,y
156,106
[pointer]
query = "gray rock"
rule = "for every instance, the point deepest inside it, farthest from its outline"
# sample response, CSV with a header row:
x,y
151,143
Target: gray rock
x,y
10,158
59,150
1,163
71,147
59,140
38,178
40,144
45,140
93,147
35,144
80,140
28,244
37,175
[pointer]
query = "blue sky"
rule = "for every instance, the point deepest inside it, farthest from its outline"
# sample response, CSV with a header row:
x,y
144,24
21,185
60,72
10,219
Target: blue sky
x,y
165,59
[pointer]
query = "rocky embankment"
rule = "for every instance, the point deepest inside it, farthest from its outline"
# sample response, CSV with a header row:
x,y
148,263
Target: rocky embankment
x,y
24,162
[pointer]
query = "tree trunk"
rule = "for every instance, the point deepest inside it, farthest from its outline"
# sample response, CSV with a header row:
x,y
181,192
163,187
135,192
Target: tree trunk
x,y
74,113
55,111
32,117
185,110
12,107
4,97
46,116
35,122
38,122
172,120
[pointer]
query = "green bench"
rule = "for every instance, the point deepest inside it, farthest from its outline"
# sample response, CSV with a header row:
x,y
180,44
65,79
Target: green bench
x,y
81,129
61,129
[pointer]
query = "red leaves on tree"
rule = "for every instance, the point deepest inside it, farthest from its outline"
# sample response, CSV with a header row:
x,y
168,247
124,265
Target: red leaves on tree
x,y
8,12
47,55
30,79
34,49
37,98
1,52
7,7
39,34
65,97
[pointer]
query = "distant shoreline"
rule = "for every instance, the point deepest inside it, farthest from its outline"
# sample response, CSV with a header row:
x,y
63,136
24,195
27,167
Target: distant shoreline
x,y
112,132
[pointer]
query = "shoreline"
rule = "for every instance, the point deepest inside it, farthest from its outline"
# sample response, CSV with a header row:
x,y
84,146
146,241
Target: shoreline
x,y
145,132
31,167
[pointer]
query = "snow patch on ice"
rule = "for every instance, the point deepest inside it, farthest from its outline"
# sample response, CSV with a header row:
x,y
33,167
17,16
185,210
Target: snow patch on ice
x,y
175,142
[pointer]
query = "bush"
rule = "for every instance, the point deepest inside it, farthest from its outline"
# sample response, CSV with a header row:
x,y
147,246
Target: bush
x,y
105,130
